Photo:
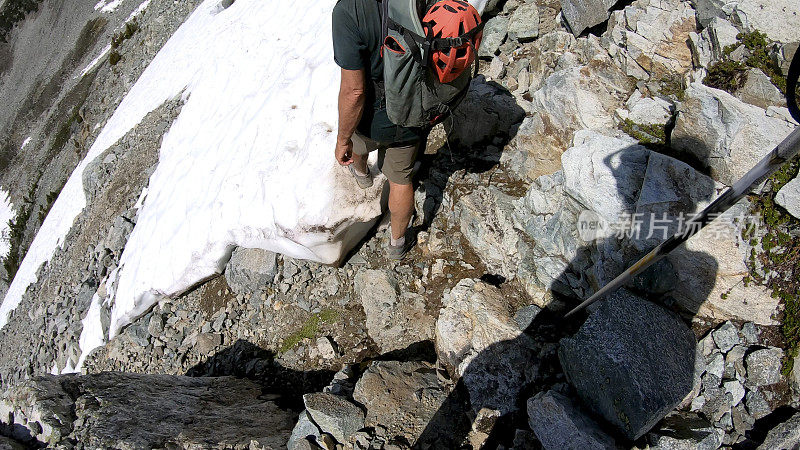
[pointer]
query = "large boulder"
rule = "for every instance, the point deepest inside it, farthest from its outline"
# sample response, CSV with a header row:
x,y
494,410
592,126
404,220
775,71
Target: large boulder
x,y
394,320
709,266
726,134
486,220
407,399
785,435
789,197
334,415
148,411
583,14
524,22
251,269
579,96
477,337
651,39
779,19
632,362
559,424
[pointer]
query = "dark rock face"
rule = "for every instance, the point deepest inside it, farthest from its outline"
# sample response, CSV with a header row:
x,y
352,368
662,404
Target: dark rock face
x,y
632,362
560,425
116,410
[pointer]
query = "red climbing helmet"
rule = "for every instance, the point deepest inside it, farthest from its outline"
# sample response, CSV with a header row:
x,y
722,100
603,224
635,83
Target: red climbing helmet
x,y
453,19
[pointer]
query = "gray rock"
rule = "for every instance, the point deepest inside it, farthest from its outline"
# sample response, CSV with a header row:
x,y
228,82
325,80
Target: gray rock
x,y
208,342
715,365
526,315
750,333
717,404
402,398
778,19
685,431
734,363
583,14
393,321
302,430
758,90
632,362
487,113
250,270
735,389
477,338
726,336
559,424
764,366
494,33
496,69
783,436
334,415
709,9
486,219
714,126
789,197
115,410
757,405
524,22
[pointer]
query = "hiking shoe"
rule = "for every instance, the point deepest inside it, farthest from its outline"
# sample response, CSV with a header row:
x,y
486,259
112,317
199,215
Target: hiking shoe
x,y
364,181
398,252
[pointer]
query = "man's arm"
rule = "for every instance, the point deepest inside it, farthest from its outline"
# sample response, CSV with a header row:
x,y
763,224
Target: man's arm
x,y
352,94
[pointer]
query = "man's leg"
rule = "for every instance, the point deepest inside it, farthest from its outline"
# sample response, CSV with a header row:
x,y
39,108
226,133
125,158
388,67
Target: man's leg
x,y
401,207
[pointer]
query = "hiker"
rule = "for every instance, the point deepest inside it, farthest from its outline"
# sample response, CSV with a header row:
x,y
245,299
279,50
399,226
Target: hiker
x,y
364,122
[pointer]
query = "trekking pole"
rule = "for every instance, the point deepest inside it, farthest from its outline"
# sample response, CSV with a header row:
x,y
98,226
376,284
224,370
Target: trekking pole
x,y
784,152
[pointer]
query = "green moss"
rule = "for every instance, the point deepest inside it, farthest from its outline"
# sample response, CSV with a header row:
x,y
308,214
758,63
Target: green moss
x,y
126,33
780,254
114,57
728,75
645,134
309,329
672,86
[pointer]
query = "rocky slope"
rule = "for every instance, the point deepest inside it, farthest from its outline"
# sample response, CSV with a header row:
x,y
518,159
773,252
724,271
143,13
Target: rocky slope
x,y
462,343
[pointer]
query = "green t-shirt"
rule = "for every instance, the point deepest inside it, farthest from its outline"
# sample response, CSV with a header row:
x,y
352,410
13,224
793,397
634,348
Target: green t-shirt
x,y
356,45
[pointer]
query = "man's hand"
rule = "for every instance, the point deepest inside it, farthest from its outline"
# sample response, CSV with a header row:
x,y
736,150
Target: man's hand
x,y
344,151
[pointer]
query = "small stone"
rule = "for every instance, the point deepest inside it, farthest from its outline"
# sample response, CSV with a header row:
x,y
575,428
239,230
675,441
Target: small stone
x,y
560,424
716,365
734,363
735,389
334,415
726,336
757,405
496,69
326,348
208,342
750,333
764,366
303,429
525,316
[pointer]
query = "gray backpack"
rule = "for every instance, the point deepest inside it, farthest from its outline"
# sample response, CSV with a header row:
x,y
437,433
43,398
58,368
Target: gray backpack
x,y
414,96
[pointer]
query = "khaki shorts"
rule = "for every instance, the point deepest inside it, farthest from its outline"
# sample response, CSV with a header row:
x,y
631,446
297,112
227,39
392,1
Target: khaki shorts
x,y
396,163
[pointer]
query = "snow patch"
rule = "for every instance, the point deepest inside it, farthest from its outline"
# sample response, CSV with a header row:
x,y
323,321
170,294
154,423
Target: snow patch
x,y
138,10
107,6
95,61
6,216
25,143
248,162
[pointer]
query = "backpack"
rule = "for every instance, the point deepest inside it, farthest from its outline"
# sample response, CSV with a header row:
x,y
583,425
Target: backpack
x,y
413,95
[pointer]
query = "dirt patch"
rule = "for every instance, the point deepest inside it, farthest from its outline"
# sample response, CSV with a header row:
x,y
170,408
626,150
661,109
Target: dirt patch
x,y
214,296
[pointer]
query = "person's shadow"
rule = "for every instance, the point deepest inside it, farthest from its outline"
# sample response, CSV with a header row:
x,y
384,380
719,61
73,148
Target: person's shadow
x,y
506,374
